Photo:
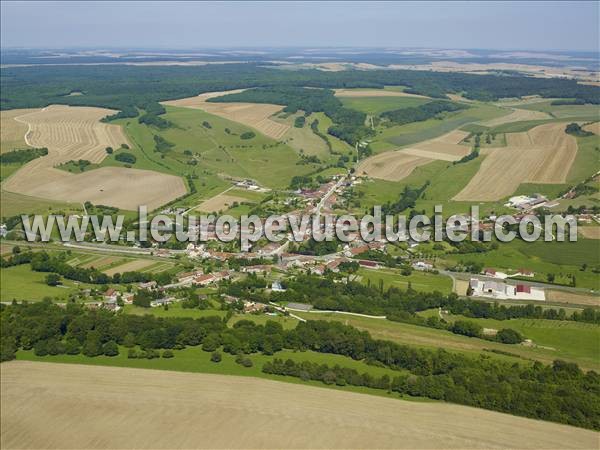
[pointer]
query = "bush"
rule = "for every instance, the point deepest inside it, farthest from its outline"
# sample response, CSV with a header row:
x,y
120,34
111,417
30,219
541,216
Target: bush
x,y
509,336
126,158
215,357
247,135
110,348
167,354
53,279
243,361
132,353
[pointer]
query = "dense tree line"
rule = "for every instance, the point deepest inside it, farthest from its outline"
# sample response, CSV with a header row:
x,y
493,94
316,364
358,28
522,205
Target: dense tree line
x,y
325,293
22,156
408,199
422,112
560,392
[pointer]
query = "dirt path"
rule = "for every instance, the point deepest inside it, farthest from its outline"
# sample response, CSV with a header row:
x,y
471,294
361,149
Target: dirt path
x,y
48,405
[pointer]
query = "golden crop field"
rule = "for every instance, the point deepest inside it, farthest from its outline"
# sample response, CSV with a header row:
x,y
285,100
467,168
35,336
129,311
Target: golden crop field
x,y
398,164
73,133
75,406
12,132
255,115
542,155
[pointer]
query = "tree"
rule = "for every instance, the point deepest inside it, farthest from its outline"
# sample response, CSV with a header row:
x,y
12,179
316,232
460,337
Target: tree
x,y
92,346
211,342
109,150
110,348
16,250
550,277
509,336
215,357
53,279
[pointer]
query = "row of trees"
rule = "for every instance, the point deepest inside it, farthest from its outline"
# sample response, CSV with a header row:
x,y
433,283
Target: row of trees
x,y
22,156
561,392
422,112
325,293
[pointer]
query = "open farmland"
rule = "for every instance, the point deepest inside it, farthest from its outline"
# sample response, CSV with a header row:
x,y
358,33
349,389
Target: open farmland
x,y
517,115
542,155
391,166
255,115
396,165
590,232
593,128
73,133
220,202
44,403
130,266
12,132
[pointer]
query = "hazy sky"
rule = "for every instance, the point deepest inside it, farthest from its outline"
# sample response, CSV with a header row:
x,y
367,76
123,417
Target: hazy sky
x,y
503,25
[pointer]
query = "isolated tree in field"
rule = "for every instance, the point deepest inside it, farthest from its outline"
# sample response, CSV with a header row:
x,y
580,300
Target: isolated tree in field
x,y
215,357
509,336
109,150
52,279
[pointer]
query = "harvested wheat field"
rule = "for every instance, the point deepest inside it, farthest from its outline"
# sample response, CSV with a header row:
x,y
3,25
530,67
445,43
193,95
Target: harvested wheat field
x,y
554,295
391,166
12,132
47,405
517,115
358,93
398,164
219,202
72,133
130,266
589,232
255,115
593,128
544,154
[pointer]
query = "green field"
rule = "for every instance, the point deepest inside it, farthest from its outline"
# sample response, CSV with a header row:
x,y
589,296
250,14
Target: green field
x,y
559,258
12,204
420,281
565,111
21,283
432,338
193,359
400,136
568,340
377,105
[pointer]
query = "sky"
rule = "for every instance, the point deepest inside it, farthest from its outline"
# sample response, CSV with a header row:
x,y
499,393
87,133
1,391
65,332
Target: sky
x,y
484,25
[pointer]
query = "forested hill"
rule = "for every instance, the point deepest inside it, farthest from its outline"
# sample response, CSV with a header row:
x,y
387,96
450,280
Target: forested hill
x,y
120,87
